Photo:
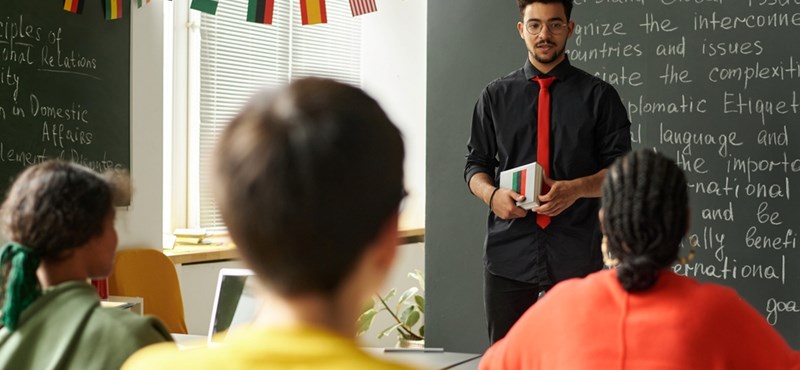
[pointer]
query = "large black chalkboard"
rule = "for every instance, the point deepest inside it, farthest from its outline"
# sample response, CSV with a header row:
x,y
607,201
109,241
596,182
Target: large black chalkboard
x,y
714,84
64,86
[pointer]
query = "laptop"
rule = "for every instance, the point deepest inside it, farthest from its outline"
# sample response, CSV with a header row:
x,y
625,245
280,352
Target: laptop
x,y
235,303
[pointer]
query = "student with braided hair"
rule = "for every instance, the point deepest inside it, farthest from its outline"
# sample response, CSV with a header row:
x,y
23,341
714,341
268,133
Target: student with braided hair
x,y
641,315
60,218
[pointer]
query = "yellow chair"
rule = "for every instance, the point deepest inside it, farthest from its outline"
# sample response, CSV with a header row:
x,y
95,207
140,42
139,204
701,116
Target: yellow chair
x,y
150,274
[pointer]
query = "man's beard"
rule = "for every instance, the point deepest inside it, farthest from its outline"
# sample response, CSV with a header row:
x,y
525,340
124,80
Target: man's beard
x,y
544,60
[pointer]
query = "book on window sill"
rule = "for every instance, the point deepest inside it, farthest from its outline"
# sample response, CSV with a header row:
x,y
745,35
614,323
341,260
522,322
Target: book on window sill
x,y
189,240
525,180
197,238
204,243
190,233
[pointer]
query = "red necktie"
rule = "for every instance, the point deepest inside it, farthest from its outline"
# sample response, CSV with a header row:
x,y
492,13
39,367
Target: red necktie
x,y
543,135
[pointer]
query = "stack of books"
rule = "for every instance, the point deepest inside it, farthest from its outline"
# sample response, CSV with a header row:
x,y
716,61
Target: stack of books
x,y
200,237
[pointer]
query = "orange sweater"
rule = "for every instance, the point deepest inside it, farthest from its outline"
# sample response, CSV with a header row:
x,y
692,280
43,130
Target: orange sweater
x,y
592,323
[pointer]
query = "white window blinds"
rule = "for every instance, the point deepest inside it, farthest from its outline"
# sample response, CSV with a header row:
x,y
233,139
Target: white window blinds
x,y
237,58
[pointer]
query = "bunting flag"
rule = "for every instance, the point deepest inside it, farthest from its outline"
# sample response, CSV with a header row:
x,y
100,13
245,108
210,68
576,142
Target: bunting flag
x,y
139,3
313,11
359,7
73,6
112,9
205,6
260,11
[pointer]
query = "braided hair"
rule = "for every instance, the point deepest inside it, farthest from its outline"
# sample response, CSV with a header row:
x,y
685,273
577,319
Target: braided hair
x,y
645,202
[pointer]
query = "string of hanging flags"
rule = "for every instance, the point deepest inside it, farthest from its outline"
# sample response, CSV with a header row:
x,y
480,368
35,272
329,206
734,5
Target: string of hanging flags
x,y
258,11
311,11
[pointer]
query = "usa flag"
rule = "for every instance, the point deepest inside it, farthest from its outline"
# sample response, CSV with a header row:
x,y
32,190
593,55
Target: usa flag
x,y
359,7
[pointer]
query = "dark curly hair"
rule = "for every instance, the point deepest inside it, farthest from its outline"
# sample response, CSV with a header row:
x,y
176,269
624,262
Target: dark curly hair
x,y
56,206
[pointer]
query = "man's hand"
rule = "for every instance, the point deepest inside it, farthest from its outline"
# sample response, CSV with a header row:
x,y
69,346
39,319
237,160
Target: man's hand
x,y
564,193
561,196
504,204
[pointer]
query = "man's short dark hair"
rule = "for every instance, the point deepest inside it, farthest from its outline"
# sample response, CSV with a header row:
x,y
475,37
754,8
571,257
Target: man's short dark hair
x,y
307,177
567,5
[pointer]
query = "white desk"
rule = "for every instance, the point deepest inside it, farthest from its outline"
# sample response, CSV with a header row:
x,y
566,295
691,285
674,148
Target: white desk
x,y
186,341
134,304
428,360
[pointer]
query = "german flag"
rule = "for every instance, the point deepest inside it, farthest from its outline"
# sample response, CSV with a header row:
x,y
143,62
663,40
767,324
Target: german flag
x,y
112,9
73,6
313,11
260,11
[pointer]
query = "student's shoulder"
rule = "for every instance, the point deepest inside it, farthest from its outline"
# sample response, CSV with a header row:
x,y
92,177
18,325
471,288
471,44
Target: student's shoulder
x,y
701,291
588,283
167,356
142,329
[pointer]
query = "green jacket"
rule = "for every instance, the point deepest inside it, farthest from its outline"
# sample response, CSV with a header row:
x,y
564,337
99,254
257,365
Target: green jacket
x,y
67,329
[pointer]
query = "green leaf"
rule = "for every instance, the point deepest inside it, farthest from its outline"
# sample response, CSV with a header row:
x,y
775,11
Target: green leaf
x,y
419,276
406,312
389,295
388,330
365,320
420,301
369,305
412,319
422,331
405,296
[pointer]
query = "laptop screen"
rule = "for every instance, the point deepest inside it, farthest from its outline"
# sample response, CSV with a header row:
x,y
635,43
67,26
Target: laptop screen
x,y
235,302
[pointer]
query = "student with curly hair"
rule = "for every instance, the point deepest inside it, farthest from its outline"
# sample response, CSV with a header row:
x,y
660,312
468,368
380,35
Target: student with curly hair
x,y
59,217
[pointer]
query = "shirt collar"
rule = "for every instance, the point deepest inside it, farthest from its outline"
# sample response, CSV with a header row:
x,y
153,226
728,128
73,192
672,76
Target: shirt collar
x,y
561,71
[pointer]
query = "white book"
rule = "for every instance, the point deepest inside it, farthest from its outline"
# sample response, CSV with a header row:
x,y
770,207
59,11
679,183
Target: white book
x,y
526,180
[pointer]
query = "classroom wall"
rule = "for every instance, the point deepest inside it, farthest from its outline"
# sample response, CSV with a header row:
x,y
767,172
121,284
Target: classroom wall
x,y
394,73
470,43
140,224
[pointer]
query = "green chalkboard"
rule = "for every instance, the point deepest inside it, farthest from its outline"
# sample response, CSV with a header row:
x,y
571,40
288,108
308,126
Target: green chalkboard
x,y
64,86
713,84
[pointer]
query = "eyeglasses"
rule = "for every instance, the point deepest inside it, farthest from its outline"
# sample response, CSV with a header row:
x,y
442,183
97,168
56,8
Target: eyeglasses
x,y
555,27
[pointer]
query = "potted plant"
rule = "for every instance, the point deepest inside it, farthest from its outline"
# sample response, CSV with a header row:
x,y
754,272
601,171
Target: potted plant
x,y
406,312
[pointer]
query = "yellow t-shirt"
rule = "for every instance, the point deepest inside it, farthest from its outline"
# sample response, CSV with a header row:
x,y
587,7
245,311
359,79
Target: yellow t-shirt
x,y
260,348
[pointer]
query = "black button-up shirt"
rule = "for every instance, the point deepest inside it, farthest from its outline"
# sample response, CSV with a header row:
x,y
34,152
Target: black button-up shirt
x,y
589,128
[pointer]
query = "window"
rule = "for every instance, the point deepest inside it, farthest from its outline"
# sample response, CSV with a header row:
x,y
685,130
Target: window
x,y
230,59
